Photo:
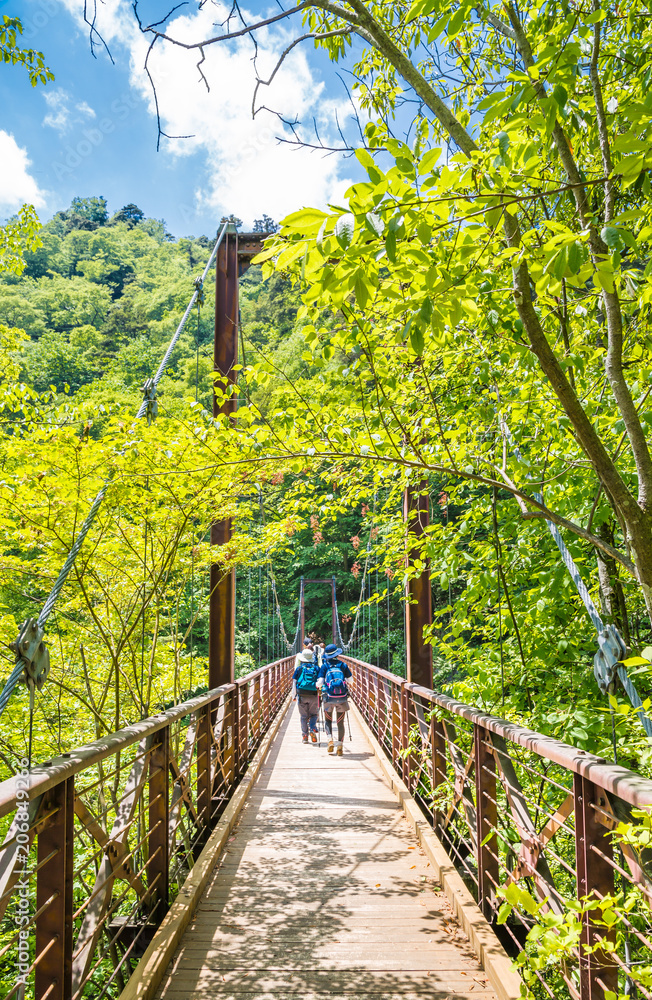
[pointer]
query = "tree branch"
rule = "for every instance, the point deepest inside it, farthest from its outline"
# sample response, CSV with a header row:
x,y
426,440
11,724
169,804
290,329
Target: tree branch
x,y
596,86
302,38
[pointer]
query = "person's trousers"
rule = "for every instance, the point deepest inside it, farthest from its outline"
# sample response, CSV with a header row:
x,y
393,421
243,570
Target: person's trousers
x,y
340,709
308,712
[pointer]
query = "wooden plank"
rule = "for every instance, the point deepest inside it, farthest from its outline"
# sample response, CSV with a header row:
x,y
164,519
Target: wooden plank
x,y
473,992
333,983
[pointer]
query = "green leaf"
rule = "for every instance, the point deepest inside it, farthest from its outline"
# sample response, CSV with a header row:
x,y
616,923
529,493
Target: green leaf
x,y
416,339
456,22
390,244
421,7
375,223
362,288
611,236
604,279
429,161
559,266
306,220
344,230
597,15
575,257
560,95
366,159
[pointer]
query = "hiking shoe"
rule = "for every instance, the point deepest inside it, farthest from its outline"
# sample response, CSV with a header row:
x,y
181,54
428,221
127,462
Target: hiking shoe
x,y
304,738
331,746
313,736
340,750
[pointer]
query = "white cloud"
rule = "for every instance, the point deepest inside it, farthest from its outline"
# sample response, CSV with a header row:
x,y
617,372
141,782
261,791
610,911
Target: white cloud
x,y
16,183
63,111
247,172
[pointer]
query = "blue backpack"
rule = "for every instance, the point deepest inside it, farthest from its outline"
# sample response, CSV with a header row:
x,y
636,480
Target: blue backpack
x,y
334,683
307,680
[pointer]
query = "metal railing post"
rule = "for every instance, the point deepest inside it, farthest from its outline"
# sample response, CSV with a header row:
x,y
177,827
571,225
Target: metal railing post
x,y
229,738
405,730
487,820
411,778
158,863
593,860
438,751
54,882
264,684
255,709
243,727
396,724
204,789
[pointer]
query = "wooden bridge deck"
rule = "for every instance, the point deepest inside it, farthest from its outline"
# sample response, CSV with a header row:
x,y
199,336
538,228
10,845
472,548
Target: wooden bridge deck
x,y
323,892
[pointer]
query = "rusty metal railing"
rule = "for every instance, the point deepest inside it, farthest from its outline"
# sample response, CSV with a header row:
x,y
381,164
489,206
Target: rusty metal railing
x,y
516,808
98,842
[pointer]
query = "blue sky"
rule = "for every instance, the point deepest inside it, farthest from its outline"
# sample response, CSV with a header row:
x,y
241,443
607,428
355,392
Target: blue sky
x,y
93,130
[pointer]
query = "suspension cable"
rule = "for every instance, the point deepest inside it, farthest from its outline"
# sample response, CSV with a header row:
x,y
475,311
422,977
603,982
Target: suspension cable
x,y
28,643
354,628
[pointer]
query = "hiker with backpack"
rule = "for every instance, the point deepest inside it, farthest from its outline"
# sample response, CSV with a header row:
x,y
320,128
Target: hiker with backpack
x,y
307,644
305,691
334,694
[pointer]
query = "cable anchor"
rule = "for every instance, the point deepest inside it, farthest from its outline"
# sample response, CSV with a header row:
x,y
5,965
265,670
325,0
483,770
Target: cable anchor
x,y
606,661
199,288
33,653
151,400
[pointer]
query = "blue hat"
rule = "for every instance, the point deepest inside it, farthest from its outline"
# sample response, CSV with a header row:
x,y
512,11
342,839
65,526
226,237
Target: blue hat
x,y
307,642
332,650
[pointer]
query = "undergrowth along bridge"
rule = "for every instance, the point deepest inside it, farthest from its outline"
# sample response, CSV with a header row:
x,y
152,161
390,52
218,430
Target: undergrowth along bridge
x,y
107,848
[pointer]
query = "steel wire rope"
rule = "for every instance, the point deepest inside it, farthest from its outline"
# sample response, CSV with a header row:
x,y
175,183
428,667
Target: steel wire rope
x,y
494,517
269,569
369,631
389,632
291,646
376,594
69,562
143,614
259,615
354,628
608,636
191,636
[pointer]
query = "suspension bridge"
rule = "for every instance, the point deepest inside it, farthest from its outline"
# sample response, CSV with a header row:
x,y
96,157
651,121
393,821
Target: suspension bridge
x,y
203,851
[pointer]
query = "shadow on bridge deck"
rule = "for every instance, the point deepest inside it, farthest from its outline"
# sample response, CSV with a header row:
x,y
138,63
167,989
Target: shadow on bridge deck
x,y
321,892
